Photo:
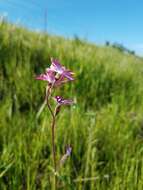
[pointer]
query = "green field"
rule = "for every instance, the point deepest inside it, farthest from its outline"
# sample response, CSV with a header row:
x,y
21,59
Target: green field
x,y
105,127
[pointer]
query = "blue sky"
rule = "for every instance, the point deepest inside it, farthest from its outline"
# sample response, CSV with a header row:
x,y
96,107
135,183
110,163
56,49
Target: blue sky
x,y
94,20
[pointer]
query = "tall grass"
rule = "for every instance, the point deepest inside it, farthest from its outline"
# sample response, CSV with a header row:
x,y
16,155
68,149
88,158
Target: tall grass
x,y
105,127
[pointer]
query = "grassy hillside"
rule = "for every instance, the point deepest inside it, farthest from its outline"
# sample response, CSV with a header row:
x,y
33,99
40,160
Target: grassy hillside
x,y
105,127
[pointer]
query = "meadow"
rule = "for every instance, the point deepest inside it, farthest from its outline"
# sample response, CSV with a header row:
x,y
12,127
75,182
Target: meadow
x,y
104,127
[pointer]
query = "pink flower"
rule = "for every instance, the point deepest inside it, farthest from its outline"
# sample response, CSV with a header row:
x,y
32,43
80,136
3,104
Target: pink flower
x,y
48,76
57,67
52,78
62,101
56,75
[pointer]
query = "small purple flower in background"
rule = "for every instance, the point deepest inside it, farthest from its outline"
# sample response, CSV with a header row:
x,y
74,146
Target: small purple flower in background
x,y
66,155
68,151
62,101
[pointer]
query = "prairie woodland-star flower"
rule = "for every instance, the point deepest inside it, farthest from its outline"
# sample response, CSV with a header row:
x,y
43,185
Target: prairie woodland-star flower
x,y
56,75
59,79
57,67
61,101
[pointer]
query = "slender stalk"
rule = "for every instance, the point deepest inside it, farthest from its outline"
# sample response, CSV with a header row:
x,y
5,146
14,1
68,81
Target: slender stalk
x,y
48,93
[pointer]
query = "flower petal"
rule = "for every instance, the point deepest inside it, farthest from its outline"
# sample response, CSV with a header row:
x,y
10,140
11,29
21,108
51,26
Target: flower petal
x,y
48,76
68,151
42,77
62,101
57,67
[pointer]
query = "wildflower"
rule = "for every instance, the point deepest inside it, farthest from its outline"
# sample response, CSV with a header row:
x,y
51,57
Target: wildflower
x,y
56,75
62,101
66,155
59,78
68,151
57,67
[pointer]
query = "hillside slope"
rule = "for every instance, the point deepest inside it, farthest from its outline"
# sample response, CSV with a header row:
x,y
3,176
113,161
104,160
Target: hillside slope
x,y
104,127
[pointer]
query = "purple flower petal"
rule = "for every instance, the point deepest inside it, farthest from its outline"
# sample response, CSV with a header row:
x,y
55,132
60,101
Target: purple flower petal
x,y
68,74
66,155
62,101
68,151
48,76
61,80
57,67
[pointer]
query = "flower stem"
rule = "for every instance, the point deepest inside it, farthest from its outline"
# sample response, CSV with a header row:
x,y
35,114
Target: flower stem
x,y
48,93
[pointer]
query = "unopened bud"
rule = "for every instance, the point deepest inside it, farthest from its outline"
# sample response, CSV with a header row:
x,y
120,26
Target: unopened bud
x,y
57,110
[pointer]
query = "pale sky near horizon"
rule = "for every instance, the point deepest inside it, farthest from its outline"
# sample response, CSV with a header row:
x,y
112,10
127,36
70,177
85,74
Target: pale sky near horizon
x,y
95,20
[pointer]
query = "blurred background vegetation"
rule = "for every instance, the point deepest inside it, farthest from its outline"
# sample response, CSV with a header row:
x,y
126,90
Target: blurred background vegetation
x,y
105,127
